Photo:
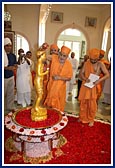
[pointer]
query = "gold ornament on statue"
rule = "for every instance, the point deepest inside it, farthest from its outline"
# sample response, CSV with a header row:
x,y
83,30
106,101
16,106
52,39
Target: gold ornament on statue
x,y
39,113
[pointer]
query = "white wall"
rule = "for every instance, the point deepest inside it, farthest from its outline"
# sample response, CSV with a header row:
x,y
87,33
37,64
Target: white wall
x,y
25,20
77,13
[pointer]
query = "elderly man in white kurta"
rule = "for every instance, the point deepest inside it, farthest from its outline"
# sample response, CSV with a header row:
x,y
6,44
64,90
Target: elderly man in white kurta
x,y
69,84
107,90
23,83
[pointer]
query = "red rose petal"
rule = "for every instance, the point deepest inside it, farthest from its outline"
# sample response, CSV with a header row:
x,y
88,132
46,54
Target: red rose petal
x,y
55,128
43,132
8,122
62,124
42,138
32,132
29,138
21,129
13,126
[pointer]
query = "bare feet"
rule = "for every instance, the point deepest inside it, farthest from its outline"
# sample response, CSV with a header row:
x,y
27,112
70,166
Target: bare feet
x,y
91,124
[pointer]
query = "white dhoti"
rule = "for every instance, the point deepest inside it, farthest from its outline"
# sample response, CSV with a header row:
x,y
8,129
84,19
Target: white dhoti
x,y
23,84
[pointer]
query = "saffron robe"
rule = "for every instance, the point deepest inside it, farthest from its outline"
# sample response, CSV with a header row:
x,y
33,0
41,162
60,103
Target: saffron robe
x,y
56,89
87,97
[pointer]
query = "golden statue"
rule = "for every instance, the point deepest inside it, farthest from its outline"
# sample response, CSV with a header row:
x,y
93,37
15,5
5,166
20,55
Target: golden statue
x,y
39,113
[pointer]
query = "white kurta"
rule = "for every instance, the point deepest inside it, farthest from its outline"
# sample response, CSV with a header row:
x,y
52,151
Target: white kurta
x,y
23,84
107,90
23,78
5,59
107,85
69,84
75,64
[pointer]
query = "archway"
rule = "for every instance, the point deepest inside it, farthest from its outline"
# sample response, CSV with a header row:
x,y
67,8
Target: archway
x,y
106,42
21,42
82,41
44,13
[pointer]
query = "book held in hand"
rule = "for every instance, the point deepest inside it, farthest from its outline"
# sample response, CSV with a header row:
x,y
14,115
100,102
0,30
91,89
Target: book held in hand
x,y
92,78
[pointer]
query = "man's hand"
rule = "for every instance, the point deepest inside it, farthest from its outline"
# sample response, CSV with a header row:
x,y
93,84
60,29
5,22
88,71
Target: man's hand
x,y
87,80
12,68
56,77
96,82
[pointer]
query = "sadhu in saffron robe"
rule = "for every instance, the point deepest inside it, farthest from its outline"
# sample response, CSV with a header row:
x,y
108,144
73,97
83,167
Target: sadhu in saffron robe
x,y
56,89
87,97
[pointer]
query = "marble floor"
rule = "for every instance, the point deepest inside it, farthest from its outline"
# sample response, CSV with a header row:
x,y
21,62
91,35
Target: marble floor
x,y
72,107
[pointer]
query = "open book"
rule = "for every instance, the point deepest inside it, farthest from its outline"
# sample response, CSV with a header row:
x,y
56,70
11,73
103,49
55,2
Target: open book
x,y
92,78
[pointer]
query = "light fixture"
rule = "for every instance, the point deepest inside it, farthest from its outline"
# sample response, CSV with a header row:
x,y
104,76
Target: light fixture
x,y
7,16
46,14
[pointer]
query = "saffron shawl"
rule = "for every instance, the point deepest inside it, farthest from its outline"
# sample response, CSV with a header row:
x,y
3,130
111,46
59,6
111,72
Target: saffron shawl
x,y
85,92
57,88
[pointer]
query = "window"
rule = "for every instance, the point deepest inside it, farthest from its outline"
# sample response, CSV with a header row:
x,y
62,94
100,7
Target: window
x,y
72,38
74,46
109,54
105,38
41,33
71,32
21,43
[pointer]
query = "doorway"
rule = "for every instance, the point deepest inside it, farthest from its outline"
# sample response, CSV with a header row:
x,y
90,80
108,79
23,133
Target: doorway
x,y
75,40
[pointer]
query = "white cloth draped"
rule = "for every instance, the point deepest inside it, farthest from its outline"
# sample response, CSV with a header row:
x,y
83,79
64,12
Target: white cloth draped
x,y
5,59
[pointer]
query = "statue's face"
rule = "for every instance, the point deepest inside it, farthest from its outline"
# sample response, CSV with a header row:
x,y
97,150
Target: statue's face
x,y
41,55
